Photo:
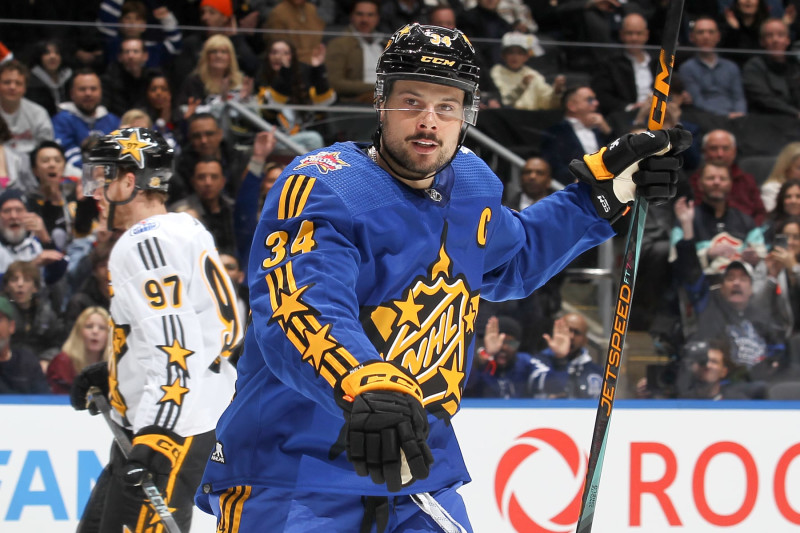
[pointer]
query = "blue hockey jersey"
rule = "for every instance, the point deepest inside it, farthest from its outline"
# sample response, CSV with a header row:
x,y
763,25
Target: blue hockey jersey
x,y
350,265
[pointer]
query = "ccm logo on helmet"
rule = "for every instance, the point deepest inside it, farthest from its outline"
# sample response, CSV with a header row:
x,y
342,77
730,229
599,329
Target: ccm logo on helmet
x,y
438,61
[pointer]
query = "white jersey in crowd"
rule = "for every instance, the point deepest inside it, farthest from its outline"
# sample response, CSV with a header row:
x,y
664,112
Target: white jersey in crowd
x,y
175,324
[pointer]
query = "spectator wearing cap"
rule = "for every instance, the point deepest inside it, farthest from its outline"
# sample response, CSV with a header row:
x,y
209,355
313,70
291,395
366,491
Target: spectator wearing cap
x,y
520,86
23,236
20,370
501,371
565,368
757,333
28,122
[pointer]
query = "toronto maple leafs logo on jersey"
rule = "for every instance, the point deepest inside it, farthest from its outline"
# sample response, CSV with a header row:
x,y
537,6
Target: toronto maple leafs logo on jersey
x,y
428,330
324,161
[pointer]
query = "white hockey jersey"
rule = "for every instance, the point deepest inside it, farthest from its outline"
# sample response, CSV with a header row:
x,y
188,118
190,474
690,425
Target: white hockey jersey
x,y
175,323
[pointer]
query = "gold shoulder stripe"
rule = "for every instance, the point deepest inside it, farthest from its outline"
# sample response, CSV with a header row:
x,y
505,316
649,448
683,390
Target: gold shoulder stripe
x,y
231,503
294,196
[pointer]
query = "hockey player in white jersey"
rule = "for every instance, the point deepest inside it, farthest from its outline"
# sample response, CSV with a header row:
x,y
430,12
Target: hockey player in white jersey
x,y
175,324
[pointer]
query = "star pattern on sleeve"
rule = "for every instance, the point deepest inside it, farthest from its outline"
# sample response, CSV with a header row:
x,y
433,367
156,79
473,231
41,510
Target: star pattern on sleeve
x,y
177,353
319,343
173,393
452,377
290,304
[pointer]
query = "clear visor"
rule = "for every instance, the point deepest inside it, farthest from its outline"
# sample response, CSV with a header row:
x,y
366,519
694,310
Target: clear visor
x,y
468,111
96,175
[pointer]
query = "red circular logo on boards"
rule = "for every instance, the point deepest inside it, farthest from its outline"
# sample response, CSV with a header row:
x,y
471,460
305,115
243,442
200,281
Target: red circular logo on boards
x,y
530,518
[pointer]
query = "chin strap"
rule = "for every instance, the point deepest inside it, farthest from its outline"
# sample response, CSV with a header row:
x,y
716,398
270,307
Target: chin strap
x,y
112,205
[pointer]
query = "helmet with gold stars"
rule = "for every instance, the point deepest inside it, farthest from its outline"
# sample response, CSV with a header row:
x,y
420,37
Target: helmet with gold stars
x,y
142,151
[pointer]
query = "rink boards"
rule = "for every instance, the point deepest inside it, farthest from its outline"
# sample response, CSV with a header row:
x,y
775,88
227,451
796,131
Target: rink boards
x,y
672,467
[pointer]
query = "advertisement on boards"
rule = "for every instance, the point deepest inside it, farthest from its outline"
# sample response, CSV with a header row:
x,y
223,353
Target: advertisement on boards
x,y
669,467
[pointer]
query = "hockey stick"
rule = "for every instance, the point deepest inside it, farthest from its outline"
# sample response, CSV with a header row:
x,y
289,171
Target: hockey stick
x,y
96,397
633,246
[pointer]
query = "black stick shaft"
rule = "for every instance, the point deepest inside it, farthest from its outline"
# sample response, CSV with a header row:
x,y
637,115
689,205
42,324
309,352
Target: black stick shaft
x,y
124,443
622,308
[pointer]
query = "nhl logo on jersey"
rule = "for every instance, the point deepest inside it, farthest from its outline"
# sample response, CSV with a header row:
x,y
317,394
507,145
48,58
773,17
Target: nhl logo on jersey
x,y
427,331
324,161
217,456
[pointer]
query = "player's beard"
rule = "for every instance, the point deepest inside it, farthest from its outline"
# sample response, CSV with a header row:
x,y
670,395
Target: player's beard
x,y
400,152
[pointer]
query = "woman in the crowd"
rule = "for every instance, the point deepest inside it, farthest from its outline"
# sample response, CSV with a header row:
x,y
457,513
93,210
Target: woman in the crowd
x,y
787,167
787,203
779,273
89,342
217,77
47,85
165,117
66,212
284,80
741,26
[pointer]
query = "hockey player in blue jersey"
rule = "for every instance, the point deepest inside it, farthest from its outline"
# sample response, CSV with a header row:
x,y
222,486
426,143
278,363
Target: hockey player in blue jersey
x,y
365,275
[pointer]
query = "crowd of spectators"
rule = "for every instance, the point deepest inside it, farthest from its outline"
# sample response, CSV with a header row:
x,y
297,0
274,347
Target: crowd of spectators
x,y
576,73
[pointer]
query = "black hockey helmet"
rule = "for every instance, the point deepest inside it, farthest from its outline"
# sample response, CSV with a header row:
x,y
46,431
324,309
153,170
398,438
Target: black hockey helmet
x,y
139,150
430,54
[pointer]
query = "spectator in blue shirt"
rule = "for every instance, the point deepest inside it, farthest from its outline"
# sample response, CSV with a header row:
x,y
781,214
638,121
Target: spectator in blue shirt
x,y
500,370
565,368
714,83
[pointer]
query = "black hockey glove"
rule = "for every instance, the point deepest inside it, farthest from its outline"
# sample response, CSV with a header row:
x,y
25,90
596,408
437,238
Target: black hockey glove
x,y
386,426
94,375
646,163
155,452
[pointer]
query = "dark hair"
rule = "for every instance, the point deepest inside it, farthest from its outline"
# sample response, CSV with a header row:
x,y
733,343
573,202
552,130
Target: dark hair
x,y
354,3
778,213
267,76
17,65
5,133
45,144
83,71
134,6
200,116
568,94
40,49
762,13
208,159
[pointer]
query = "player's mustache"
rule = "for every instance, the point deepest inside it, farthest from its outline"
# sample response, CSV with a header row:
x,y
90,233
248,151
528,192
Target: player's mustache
x,y
424,137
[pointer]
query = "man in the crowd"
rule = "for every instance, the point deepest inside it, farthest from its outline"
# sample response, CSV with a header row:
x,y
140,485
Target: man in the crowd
x,y
565,369
23,237
715,83
500,369
718,231
28,122
81,117
772,80
206,140
624,82
535,181
351,58
719,147
20,370
214,207
582,131
124,83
